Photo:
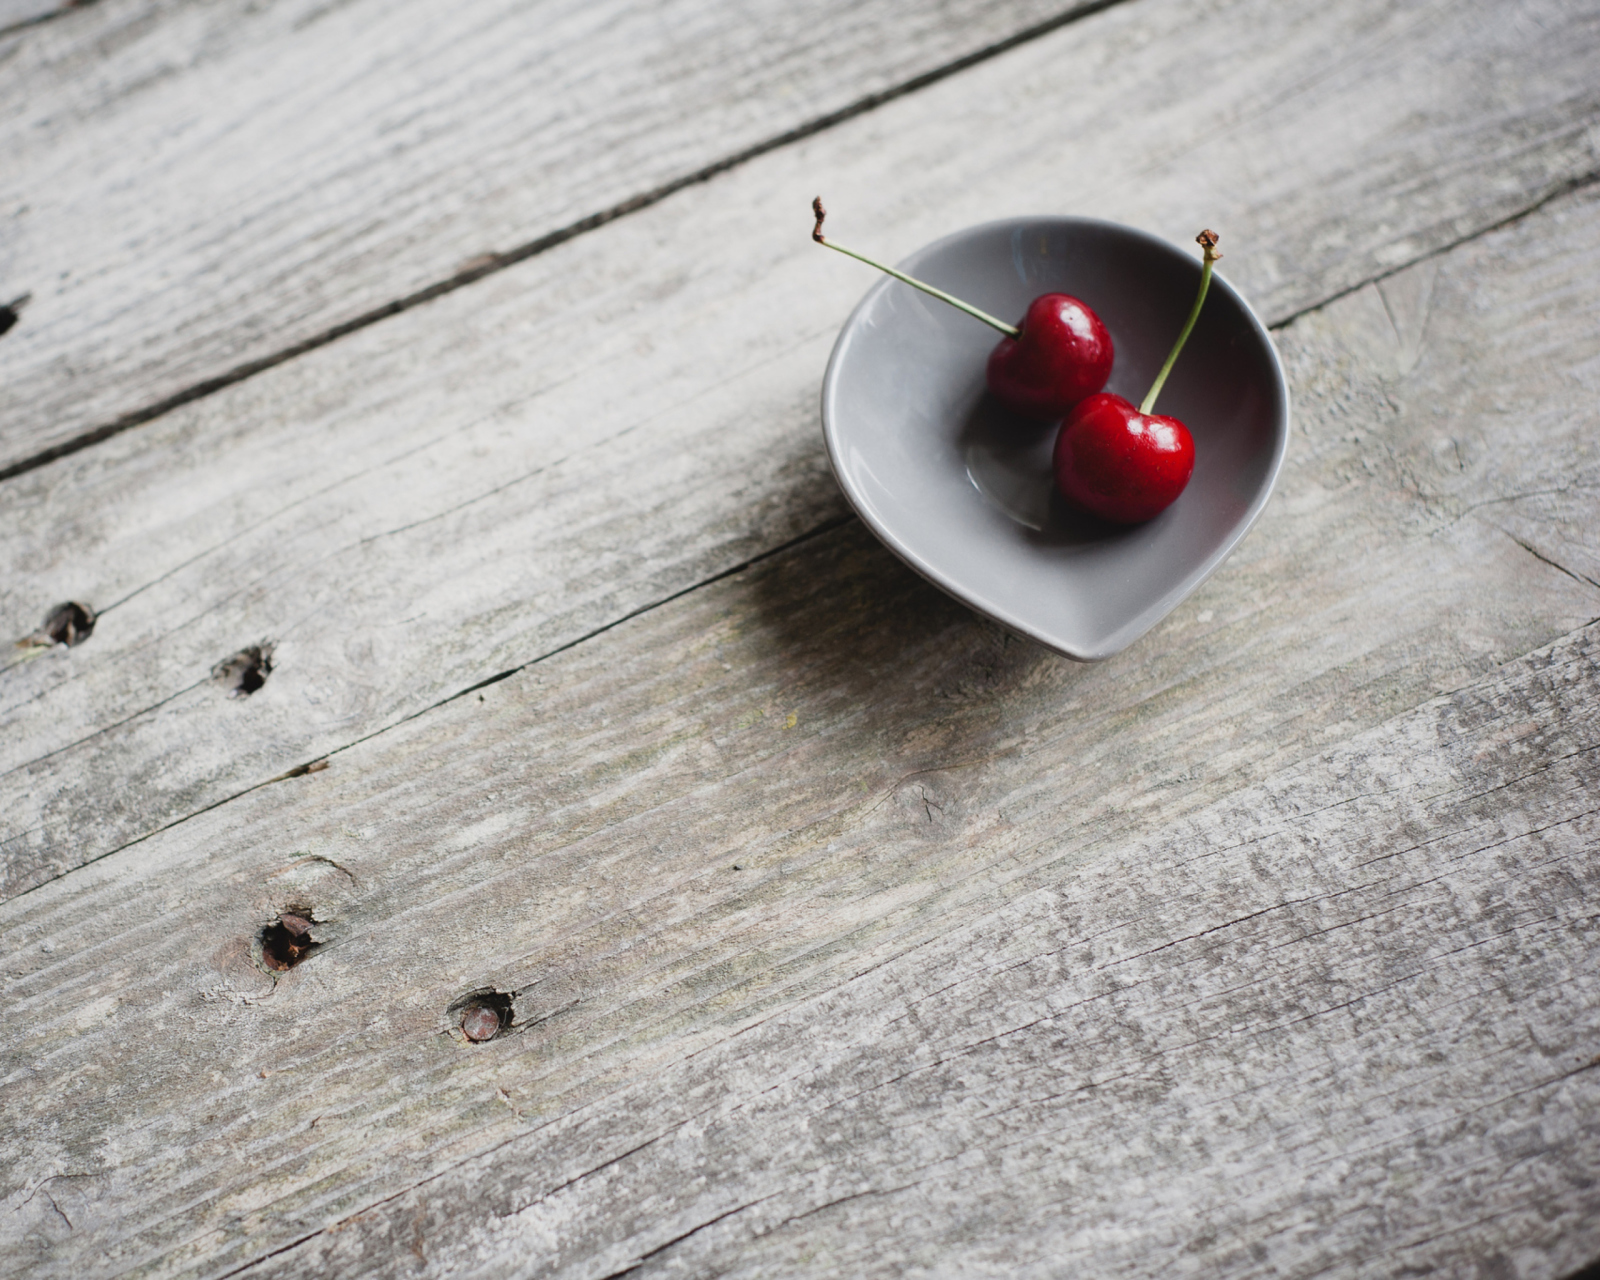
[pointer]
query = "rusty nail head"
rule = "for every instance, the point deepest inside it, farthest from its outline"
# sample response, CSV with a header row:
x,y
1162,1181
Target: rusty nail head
x,y
479,1023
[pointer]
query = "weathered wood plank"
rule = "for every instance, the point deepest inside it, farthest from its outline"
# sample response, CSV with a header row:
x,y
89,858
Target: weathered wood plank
x,y
764,996
1344,1023
745,798
484,480
196,187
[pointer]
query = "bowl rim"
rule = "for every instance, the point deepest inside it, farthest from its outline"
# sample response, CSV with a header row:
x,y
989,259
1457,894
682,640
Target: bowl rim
x,y
961,592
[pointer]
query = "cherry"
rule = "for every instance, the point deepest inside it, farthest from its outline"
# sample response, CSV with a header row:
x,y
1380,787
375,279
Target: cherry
x,y
1058,355
1124,464
1120,464
1062,355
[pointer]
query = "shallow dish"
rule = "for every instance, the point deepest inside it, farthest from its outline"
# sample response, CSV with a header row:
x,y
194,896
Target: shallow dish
x,y
961,490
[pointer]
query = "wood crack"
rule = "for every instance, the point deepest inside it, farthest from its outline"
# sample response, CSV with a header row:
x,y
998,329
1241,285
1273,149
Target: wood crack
x,y
838,1200
1554,564
710,1222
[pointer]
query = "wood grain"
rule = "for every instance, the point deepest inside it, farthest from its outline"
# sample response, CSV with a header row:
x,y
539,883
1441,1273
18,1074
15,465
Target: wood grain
x,y
198,187
1343,1023
1362,991
449,495
849,934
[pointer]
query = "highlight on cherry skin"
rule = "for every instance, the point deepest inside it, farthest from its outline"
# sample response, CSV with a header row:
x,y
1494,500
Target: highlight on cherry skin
x,y
1059,354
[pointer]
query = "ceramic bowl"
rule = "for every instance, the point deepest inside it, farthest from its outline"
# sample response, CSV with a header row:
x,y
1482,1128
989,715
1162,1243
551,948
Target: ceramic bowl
x,y
961,490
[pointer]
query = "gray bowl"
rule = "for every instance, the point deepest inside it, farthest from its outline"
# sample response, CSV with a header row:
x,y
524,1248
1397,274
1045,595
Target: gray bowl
x,y
961,490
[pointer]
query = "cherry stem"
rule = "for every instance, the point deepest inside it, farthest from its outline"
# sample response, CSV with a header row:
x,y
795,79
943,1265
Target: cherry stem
x,y
1207,240
1010,330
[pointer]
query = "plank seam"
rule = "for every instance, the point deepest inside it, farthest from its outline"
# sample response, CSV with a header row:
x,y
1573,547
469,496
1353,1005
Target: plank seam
x,y
1567,187
550,240
39,20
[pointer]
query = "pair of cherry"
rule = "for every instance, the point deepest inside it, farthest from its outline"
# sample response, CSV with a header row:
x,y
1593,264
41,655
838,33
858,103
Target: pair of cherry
x,y
1120,463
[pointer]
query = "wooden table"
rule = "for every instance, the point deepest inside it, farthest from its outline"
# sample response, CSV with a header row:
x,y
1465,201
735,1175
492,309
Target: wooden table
x,y
466,357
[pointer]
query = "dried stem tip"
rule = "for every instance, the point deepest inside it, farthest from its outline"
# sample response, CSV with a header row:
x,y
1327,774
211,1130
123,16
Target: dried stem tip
x,y
1010,330
1207,240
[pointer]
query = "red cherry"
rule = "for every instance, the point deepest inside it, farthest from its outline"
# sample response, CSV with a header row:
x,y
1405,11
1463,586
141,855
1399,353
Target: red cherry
x,y
1120,464
1062,354
1042,367
1125,464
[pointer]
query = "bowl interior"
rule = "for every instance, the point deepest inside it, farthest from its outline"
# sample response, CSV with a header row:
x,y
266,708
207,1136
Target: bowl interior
x,y
961,489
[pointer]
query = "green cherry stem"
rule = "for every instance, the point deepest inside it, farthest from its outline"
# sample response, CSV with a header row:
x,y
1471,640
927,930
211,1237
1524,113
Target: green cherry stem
x,y
1207,240
1010,330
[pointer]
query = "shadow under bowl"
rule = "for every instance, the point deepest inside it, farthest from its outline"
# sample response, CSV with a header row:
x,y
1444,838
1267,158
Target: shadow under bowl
x,y
961,489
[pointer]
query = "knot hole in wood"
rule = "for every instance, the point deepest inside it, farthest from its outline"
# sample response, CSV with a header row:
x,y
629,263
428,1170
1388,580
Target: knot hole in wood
x,y
11,312
287,940
242,673
70,623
